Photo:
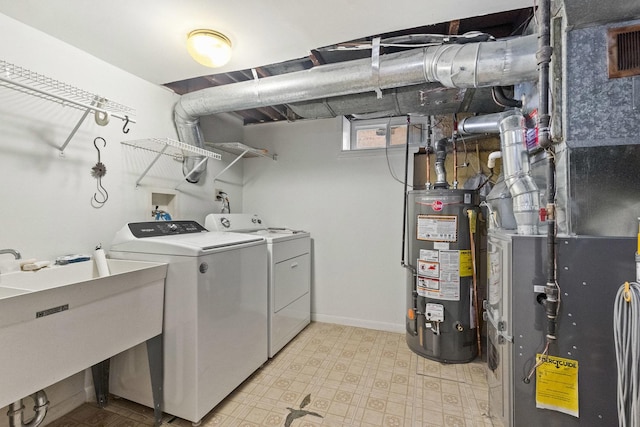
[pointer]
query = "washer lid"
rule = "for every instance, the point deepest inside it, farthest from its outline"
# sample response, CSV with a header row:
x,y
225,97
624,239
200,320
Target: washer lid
x,y
252,224
188,243
280,234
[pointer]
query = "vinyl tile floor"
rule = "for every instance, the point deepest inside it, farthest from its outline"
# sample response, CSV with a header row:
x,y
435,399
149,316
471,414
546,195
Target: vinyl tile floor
x,y
332,375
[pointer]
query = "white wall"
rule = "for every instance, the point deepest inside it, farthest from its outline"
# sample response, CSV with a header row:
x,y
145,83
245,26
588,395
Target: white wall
x,y
46,208
351,205
45,198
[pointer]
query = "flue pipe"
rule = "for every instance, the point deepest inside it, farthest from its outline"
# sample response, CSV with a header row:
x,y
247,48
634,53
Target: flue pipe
x,y
441,157
493,63
515,163
15,411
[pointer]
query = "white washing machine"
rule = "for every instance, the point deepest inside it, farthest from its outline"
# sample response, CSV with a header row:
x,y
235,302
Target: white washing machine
x,y
215,314
289,273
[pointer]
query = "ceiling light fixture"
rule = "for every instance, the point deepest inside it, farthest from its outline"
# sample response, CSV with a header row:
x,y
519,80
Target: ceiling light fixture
x,y
209,48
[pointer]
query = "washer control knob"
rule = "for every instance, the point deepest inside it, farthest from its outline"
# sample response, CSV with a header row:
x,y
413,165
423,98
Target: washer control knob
x,y
225,222
204,267
172,227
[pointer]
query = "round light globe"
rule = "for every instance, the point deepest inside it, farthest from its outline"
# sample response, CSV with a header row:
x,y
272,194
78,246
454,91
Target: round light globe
x,y
209,48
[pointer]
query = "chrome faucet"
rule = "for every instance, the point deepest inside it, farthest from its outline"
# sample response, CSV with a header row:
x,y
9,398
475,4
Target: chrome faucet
x,y
13,252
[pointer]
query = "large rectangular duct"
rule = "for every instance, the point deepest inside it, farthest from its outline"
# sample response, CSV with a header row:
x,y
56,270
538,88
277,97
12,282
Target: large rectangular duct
x,y
602,124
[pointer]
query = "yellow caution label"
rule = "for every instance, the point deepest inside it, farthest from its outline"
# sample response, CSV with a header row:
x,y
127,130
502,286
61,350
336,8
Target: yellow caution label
x,y
557,384
466,264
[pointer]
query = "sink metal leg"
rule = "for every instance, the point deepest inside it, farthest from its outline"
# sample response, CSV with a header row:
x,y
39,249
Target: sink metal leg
x,y
100,373
155,354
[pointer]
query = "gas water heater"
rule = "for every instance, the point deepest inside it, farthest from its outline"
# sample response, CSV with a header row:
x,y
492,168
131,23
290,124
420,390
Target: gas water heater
x,y
442,242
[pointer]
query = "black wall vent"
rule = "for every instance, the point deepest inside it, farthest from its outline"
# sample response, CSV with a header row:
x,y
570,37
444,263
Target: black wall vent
x,y
624,51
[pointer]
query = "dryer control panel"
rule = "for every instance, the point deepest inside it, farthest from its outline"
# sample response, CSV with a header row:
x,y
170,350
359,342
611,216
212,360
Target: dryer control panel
x,y
164,228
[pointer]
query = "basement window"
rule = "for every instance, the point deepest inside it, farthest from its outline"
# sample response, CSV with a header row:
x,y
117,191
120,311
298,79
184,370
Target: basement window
x,y
381,133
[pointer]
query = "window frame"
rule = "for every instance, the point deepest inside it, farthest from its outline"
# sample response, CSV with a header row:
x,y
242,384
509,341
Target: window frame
x,y
350,129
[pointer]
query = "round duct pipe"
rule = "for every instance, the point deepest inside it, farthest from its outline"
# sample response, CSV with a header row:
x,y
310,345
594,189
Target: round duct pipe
x,y
494,63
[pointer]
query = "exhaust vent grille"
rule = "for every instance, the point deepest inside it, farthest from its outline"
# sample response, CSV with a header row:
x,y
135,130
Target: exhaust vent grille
x,y
624,51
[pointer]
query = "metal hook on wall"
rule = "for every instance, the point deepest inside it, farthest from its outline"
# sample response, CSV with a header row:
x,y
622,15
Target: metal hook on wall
x,y
98,171
126,123
97,149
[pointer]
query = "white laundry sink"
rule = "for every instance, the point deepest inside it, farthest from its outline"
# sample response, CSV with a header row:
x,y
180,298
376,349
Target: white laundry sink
x,y
58,321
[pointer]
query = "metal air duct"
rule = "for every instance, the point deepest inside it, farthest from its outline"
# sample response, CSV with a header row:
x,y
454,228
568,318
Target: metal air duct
x,y
515,163
441,156
495,63
427,99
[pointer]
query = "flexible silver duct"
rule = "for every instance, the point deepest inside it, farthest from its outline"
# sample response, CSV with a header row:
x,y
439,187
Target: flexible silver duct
x,y
515,163
495,63
15,411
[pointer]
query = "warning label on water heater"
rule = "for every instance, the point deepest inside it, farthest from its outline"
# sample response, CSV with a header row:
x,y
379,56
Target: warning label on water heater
x,y
439,275
429,269
437,228
426,286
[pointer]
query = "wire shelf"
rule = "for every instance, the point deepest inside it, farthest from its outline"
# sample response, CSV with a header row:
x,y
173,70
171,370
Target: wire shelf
x,y
170,147
35,84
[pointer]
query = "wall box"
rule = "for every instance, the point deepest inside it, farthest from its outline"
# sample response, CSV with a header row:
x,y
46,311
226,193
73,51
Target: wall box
x,y
164,200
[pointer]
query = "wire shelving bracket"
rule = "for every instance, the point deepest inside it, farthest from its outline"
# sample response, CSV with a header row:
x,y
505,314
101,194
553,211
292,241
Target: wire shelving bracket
x,y
172,148
32,83
241,150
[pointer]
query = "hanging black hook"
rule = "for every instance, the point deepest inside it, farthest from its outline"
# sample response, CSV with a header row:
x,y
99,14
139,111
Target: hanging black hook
x,y
126,123
94,144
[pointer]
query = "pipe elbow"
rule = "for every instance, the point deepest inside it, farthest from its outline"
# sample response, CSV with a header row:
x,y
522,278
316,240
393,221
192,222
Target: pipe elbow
x,y
188,128
40,409
491,161
41,405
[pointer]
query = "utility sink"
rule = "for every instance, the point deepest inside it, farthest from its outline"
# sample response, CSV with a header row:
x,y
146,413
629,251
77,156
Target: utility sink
x,y
60,320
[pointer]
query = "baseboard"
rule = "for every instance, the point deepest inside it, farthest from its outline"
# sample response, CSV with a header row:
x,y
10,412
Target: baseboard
x,y
360,323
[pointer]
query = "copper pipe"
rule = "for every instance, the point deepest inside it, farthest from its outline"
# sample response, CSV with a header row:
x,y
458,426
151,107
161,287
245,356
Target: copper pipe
x,y
428,168
455,163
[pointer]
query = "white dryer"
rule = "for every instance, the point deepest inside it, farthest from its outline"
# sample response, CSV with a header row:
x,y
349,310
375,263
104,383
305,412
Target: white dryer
x,y
289,273
215,314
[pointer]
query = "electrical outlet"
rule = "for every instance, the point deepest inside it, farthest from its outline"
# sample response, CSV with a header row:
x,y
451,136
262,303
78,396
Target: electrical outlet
x,y
217,192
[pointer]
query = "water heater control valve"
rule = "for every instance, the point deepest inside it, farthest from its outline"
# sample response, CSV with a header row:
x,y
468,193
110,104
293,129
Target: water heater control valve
x,y
434,312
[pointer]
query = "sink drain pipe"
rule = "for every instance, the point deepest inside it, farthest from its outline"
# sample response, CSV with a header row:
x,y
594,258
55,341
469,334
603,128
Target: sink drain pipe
x,y
40,409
